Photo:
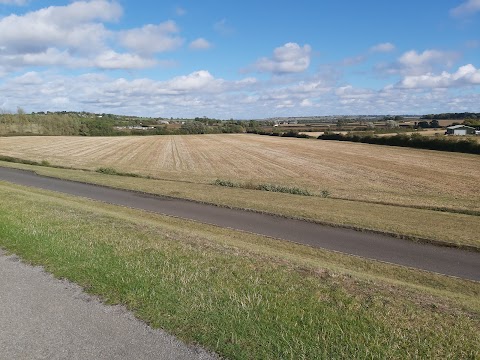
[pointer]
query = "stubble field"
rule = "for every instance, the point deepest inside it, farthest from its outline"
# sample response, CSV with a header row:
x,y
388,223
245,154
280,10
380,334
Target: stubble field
x,y
347,170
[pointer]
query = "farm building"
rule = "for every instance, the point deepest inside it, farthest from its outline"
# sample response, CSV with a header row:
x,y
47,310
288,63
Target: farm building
x,y
460,130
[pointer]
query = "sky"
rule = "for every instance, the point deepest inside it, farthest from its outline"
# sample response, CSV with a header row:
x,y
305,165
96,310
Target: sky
x,y
240,59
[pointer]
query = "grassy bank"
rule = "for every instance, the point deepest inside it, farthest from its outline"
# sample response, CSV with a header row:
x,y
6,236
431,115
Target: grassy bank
x,y
241,295
436,226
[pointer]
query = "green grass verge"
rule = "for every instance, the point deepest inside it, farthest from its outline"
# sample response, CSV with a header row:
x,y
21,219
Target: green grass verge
x,y
241,295
447,228
265,187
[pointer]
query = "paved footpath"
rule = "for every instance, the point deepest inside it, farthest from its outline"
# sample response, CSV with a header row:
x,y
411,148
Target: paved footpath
x,y
45,318
443,260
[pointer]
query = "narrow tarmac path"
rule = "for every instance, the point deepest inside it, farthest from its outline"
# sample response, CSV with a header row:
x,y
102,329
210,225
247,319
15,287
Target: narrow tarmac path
x,y
45,318
443,260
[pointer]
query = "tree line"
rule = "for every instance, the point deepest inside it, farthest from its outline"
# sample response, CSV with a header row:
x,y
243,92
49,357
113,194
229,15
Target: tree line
x,y
418,141
74,124
452,116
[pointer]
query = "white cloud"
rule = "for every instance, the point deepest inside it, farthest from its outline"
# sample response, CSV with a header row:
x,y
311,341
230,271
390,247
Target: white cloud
x,y
306,103
467,8
200,93
289,58
194,81
413,59
415,63
200,44
108,59
350,92
465,75
195,94
152,38
29,78
113,60
383,47
74,36
75,26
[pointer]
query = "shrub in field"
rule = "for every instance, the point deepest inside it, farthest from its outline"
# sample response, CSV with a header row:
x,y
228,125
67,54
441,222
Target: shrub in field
x,y
226,183
290,133
264,187
284,189
112,171
107,170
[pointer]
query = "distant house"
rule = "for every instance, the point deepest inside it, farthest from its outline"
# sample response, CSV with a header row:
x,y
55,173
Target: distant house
x,y
460,130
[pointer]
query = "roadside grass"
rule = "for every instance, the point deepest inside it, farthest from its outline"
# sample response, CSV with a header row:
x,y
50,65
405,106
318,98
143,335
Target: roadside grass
x,y
265,187
241,295
113,171
418,224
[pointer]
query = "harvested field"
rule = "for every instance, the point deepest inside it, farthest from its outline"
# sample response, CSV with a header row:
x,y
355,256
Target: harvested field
x,y
346,170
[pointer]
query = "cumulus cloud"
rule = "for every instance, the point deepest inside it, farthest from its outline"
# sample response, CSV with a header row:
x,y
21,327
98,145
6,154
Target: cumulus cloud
x,y
76,26
412,58
112,60
29,78
200,44
467,8
151,39
306,103
108,59
75,36
289,58
465,75
194,94
415,63
194,81
383,47
201,93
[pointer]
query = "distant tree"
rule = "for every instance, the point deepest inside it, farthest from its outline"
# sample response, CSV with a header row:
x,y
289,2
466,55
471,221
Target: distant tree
x,y
194,127
391,124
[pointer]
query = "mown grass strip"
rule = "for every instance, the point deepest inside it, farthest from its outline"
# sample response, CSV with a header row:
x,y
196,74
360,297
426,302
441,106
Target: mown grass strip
x,y
196,282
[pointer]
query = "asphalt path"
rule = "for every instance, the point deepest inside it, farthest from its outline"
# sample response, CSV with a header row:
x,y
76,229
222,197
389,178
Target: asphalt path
x,y
444,260
45,318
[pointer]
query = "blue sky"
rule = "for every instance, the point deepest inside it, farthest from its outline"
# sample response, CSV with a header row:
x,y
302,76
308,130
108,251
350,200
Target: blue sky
x,y
240,59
